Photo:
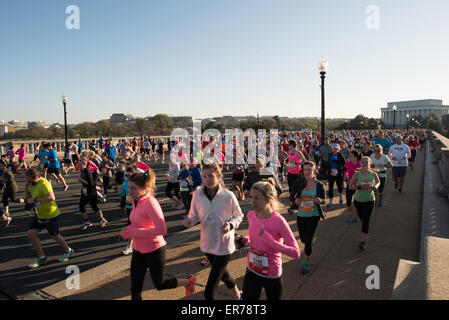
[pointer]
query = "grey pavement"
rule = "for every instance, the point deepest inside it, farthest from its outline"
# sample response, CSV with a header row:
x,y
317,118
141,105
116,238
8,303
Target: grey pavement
x,y
339,268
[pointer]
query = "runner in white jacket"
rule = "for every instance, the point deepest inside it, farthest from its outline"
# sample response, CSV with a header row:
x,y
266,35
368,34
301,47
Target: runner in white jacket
x,y
219,213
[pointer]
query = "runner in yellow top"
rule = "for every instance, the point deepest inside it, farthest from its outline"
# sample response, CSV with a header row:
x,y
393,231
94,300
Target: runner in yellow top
x,y
39,196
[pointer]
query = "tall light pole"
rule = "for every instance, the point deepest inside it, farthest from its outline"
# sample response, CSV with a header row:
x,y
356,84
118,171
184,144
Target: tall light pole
x,y
64,102
323,65
408,116
394,117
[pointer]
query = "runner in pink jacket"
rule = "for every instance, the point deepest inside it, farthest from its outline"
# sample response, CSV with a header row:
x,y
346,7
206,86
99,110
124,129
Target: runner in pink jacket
x,y
269,235
147,230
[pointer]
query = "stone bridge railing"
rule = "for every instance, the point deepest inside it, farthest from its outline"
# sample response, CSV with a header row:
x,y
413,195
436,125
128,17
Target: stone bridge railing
x,y
440,145
31,145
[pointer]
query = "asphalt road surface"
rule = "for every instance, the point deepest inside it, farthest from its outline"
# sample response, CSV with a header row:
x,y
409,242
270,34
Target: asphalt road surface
x,y
93,246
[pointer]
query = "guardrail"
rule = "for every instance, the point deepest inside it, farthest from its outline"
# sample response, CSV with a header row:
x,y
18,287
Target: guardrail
x,y
31,145
440,146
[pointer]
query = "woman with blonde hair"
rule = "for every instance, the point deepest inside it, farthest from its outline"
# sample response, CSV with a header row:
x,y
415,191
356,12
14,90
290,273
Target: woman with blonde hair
x,y
365,181
147,231
220,215
269,235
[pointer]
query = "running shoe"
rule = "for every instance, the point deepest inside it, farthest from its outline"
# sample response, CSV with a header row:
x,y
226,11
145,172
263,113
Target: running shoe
x,y
204,262
362,246
103,223
379,204
330,205
341,199
7,222
179,207
66,256
356,220
37,262
306,268
86,225
395,185
348,220
66,188
400,189
127,251
190,289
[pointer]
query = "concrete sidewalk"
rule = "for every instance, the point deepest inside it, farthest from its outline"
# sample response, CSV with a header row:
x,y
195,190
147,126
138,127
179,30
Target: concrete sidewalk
x,y
339,268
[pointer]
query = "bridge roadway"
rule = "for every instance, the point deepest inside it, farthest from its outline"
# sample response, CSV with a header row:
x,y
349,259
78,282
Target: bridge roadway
x,y
339,268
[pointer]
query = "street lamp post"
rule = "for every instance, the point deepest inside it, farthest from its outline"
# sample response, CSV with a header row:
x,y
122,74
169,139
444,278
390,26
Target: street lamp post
x,y
394,117
322,68
64,102
408,116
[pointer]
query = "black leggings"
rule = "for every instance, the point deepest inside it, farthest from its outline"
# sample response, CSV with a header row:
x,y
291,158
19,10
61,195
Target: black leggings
x,y
253,284
339,179
306,228
173,187
349,195
218,272
9,194
155,260
364,209
106,182
291,178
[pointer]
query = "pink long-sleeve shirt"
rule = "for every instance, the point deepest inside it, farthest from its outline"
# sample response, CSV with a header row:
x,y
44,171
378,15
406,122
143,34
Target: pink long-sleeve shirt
x,y
277,238
22,153
147,225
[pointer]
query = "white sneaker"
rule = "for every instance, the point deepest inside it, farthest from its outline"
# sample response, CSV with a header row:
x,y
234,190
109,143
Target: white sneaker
x,y
103,223
127,251
7,222
66,187
86,225
179,207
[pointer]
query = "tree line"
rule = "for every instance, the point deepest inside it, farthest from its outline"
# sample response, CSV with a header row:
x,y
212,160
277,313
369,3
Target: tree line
x,y
162,124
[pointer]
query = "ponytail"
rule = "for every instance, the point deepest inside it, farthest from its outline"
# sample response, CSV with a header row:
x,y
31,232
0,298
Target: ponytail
x,y
145,180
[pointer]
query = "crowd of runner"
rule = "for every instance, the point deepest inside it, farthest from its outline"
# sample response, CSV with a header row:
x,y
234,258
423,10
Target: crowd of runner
x,y
355,162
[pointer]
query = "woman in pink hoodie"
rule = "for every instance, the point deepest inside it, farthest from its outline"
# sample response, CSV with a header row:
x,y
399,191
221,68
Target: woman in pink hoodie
x,y
147,230
269,235
22,155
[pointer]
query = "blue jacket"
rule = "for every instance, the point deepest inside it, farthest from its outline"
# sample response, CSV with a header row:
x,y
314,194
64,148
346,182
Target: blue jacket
x,y
196,177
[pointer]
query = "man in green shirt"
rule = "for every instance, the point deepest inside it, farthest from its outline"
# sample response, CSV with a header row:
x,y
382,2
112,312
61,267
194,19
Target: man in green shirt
x,y
39,194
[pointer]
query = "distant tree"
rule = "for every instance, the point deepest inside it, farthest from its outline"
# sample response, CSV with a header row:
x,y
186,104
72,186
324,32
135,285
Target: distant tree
x,y
433,123
141,125
103,127
445,121
163,123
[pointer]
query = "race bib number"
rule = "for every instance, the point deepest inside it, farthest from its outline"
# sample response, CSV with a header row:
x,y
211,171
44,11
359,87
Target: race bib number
x,y
306,203
38,205
258,261
84,191
129,200
334,172
291,165
366,183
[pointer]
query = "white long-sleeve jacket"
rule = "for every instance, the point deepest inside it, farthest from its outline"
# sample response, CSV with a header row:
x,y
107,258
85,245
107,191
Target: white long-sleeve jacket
x,y
213,215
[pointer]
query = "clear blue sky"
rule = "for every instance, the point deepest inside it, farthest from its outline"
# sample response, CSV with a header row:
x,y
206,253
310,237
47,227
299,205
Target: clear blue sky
x,y
218,57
